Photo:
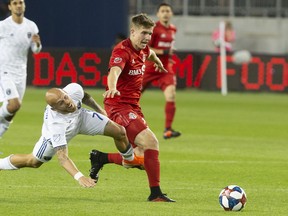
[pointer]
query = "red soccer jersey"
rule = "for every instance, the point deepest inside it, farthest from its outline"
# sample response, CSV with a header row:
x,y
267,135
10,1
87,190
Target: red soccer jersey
x,y
162,38
132,63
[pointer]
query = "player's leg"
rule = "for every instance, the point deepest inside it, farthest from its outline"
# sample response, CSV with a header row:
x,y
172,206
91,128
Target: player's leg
x,y
93,123
12,102
42,152
168,86
148,141
101,158
143,137
118,133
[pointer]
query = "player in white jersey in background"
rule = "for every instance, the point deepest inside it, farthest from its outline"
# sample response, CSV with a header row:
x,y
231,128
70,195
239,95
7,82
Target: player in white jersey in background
x,y
17,36
64,118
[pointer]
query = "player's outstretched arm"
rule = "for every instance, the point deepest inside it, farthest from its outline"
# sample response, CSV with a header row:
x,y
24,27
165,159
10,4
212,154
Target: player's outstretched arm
x,y
112,79
69,166
158,64
88,100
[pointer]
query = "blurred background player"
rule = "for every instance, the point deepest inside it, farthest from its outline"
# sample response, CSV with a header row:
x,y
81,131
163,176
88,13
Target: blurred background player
x,y
121,99
229,37
17,35
162,44
64,118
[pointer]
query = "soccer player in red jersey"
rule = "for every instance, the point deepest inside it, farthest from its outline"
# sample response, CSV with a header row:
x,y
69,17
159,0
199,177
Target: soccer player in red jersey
x,y
121,101
162,44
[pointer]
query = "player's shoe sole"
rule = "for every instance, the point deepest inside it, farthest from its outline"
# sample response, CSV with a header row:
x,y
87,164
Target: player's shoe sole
x,y
168,134
160,198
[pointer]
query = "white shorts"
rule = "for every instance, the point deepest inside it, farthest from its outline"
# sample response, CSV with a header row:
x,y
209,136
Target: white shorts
x,y
89,123
11,86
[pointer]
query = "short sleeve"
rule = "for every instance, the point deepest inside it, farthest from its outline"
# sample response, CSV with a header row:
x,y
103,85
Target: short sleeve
x,y
118,58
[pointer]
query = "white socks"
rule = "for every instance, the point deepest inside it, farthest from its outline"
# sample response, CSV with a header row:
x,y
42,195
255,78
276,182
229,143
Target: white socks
x,y
4,124
129,154
5,164
4,112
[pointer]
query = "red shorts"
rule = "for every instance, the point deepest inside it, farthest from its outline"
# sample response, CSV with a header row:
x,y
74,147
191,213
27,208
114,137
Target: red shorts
x,y
129,116
160,79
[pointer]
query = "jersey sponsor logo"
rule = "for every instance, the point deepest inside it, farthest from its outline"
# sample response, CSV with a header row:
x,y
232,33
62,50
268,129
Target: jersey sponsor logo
x,y
117,60
56,137
29,34
137,71
164,44
132,116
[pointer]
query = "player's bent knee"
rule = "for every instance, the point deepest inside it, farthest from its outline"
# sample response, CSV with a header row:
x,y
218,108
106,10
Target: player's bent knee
x,y
115,130
121,133
170,93
34,163
14,105
151,143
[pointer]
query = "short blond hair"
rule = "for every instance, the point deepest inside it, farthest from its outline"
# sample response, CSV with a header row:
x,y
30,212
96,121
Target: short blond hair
x,y
142,20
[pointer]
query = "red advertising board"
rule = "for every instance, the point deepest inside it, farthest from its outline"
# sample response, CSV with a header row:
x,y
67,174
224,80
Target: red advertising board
x,y
58,67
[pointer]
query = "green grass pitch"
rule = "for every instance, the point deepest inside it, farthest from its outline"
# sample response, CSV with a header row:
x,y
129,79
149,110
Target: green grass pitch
x,y
237,139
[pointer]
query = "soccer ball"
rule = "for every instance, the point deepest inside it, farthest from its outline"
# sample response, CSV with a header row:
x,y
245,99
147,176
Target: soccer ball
x,y
241,57
232,198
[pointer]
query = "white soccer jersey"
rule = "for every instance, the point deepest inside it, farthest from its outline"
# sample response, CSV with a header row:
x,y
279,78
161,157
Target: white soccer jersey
x,y
56,125
58,129
15,41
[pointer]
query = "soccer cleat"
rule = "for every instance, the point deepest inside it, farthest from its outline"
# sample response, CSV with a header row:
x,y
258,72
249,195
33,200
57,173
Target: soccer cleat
x,y
96,164
160,198
138,163
170,133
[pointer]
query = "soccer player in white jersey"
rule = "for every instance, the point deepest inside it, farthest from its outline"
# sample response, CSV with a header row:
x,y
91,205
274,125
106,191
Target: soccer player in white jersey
x,y
64,118
17,36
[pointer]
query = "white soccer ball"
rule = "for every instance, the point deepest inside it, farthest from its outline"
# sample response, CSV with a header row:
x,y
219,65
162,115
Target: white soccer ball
x,y
232,198
241,57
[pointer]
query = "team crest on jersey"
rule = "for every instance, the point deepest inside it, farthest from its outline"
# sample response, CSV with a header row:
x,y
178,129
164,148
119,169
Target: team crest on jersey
x,y
29,35
117,60
163,35
56,137
8,91
133,61
132,116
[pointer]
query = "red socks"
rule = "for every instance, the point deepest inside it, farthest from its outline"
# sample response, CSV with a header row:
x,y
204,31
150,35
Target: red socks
x,y
151,163
115,158
152,167
170,110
